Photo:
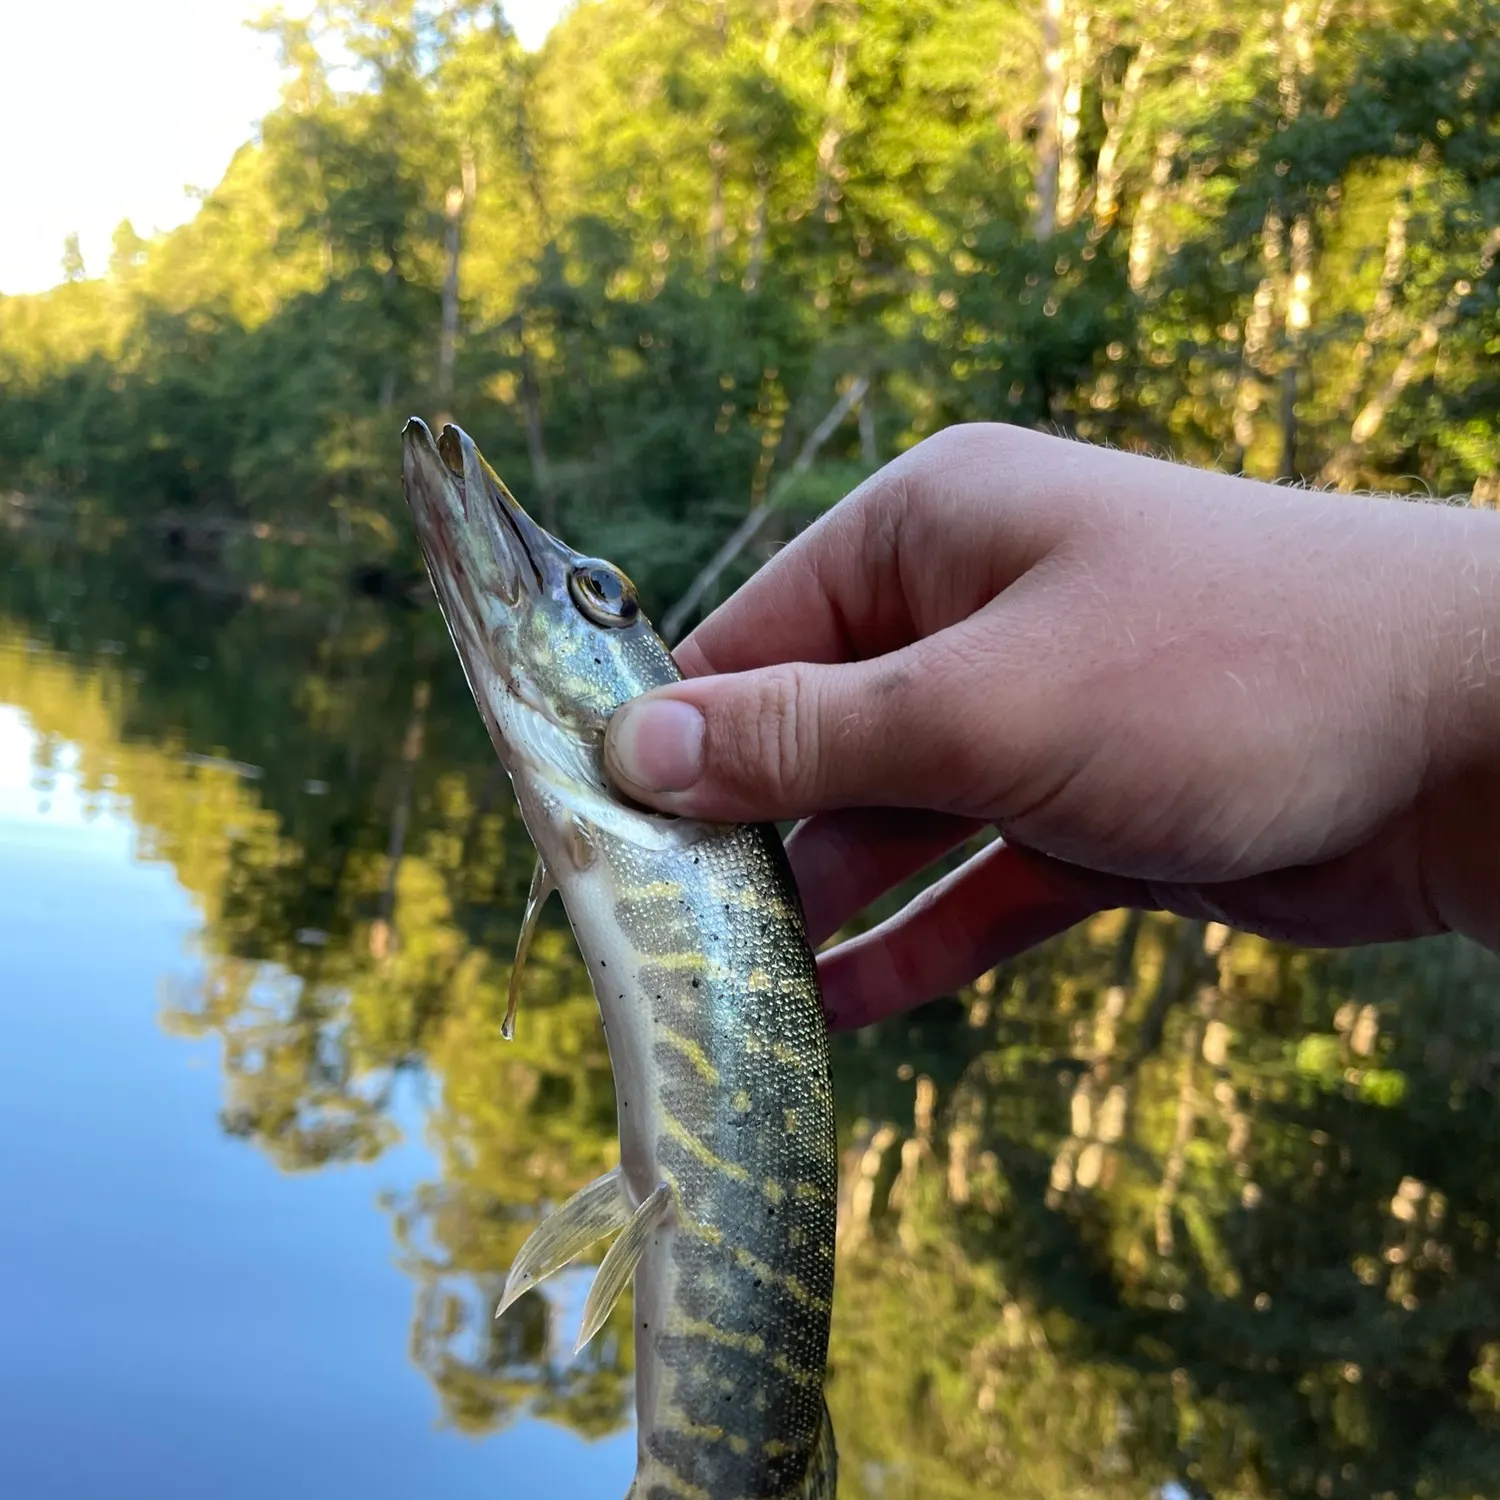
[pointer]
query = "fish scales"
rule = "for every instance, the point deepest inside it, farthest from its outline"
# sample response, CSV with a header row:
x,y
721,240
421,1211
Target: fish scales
x,y
746,1141
694,939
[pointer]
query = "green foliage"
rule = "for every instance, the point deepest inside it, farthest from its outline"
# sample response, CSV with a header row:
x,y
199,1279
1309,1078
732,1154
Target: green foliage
x,y
1256,236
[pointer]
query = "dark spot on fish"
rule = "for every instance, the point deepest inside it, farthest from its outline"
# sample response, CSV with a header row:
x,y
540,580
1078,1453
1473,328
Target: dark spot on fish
x,y
695,984
602,964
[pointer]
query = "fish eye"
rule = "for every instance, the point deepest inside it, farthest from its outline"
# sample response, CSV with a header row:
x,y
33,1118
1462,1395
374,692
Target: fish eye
x,y
604,594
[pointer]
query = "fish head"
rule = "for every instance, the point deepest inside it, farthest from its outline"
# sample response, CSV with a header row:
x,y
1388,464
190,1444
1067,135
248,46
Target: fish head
x,y
552,641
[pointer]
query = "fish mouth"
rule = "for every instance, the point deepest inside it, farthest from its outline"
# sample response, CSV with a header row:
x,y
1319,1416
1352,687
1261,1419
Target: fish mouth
x,y
481,547
490,566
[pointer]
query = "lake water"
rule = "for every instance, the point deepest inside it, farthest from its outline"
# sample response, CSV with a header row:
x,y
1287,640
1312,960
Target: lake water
x,y
1158,1211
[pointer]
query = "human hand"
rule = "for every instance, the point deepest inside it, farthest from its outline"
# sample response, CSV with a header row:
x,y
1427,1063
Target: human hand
x,y
1166,689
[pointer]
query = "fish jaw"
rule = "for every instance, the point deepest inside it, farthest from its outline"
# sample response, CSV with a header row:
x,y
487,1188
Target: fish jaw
x,y
478,539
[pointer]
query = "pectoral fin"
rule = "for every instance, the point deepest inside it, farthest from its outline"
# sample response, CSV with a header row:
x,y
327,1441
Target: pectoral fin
x,y
542,886
590,1214
620,1262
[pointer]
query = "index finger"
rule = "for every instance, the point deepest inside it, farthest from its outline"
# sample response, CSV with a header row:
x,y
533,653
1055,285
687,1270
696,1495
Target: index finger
x,y
920,545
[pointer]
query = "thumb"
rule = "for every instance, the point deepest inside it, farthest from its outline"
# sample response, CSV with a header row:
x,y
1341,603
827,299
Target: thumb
x,y
787,741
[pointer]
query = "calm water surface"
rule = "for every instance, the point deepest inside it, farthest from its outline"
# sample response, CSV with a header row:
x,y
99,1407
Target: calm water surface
x,y
1161,1211
183,1317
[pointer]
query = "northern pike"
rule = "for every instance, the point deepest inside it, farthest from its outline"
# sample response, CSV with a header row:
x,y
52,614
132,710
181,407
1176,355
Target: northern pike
x,y
723,1204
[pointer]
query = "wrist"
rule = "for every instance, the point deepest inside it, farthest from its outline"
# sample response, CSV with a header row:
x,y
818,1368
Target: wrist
x,y
1461,844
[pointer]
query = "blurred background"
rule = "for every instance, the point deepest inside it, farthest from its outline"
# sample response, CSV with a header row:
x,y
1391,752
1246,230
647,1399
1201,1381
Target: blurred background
x,y
1158,1211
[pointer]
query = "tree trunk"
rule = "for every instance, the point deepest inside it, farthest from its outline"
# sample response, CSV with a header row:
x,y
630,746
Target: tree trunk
x,y
1296,57
1256,346
1298,320
1296,63
1213,938
1107,172
716,153
383,928
787,15
460,197
1377,324
858,1176
1070,124
833,133
1099,1106
1049,116
755,263
526,153
1142,264
448,341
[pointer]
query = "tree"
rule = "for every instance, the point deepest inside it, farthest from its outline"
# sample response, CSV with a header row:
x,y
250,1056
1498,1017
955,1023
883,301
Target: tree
x,y
72,259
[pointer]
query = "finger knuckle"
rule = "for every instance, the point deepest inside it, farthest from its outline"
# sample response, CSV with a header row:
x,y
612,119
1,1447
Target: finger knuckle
x,y
986,445
786,732
762,751
941,475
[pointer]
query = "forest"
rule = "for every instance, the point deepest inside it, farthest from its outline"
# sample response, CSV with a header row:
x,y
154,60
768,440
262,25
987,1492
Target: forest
x,y
696,258
1156,1202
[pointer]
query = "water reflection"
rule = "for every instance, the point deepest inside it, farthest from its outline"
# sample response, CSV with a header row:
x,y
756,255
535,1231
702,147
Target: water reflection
x,y
180,1319
1159,1211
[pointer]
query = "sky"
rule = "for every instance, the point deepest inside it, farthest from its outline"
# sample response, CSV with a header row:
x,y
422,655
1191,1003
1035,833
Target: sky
x,y
112,110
